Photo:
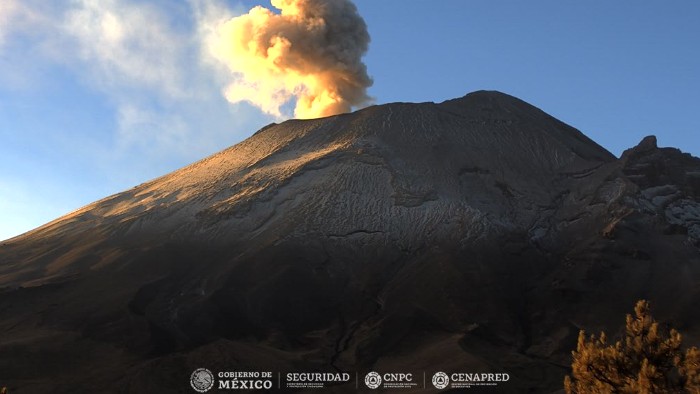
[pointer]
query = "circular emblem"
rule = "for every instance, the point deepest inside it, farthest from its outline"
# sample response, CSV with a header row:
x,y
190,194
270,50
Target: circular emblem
x,y
202,380
441,380
373,380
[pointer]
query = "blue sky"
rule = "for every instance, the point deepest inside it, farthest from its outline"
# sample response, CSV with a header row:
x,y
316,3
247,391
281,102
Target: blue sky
x,y
87,110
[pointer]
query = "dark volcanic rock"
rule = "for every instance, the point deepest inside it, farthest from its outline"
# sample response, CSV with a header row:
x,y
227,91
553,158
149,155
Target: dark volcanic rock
x,y
479,234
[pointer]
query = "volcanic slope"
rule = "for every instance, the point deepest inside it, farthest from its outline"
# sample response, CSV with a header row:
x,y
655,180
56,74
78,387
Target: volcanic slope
x,y
478,234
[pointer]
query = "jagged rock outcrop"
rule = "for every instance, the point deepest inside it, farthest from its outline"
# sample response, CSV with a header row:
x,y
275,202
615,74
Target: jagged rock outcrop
x,y
475,234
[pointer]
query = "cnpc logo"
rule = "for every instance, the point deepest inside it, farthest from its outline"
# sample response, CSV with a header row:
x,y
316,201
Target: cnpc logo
x,y
374,380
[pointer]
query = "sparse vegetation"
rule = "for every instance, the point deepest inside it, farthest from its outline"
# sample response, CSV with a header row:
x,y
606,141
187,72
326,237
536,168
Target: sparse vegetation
x,y
648,359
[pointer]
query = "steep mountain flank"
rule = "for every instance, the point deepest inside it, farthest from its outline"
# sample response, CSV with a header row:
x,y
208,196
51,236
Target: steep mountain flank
x,y
478,234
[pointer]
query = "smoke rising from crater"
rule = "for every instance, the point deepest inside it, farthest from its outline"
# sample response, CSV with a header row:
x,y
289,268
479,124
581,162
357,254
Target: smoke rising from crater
x,y
311,51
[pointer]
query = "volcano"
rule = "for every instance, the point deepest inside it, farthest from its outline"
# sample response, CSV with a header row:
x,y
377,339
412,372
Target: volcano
x,y
479,235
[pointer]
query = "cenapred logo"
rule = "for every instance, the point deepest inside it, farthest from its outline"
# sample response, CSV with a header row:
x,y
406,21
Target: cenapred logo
x,y
373,380
441,380
467,380
202,380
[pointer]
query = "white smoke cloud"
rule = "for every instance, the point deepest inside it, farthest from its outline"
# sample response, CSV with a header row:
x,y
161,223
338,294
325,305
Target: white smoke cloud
x,y
127,44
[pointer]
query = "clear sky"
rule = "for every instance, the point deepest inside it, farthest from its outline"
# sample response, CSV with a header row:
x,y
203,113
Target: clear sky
x,y
99,96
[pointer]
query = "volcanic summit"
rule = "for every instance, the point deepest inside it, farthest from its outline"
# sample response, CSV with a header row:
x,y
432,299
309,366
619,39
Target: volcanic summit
x,y
477,234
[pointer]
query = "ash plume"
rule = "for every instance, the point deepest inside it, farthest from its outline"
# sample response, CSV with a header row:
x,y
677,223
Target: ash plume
x,y
311,51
